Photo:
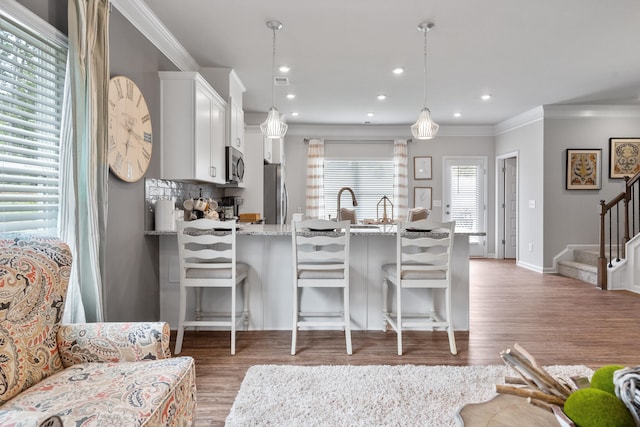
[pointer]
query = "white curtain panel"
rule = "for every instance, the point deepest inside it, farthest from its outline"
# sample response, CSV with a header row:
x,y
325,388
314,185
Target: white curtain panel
x,y
73,309
400,178
315,179
88,22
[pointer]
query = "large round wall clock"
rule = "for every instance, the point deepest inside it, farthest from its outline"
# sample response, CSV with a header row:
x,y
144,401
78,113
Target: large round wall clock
x,y
130,132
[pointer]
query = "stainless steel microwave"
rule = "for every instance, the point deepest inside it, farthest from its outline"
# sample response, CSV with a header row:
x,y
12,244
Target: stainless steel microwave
x,y
235,165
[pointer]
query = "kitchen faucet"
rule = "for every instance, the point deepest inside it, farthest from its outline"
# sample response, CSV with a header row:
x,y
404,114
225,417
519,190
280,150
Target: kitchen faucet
x,y
353,200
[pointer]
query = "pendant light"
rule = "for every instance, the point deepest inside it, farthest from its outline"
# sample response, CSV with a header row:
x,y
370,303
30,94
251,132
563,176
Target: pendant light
x,y
274,126
424,127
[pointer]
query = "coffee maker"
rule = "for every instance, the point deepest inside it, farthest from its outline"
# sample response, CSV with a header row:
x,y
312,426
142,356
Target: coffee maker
x,y
230,207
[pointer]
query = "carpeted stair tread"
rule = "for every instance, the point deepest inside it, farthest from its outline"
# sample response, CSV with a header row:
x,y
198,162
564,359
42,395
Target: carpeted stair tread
x,y
579,266
578,270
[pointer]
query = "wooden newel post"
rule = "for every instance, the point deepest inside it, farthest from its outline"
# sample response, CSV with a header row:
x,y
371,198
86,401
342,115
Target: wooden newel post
x,y
602,260
627,199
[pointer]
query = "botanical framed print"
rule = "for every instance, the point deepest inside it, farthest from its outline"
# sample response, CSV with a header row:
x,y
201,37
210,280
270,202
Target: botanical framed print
x,y
624,157
583,169
422,197
422,167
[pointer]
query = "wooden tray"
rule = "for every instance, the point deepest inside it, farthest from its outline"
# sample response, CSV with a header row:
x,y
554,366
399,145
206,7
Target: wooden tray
x,y
505,410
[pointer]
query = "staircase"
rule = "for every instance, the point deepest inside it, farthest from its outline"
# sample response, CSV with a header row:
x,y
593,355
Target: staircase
x,y
583,265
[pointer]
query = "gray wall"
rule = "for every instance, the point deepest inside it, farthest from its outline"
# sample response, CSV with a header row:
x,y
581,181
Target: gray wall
x,y
566,216
337,145
131,289
527,141
572,216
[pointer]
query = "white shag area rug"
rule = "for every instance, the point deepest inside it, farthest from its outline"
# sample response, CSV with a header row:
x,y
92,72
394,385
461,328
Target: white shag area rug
x,y
404,395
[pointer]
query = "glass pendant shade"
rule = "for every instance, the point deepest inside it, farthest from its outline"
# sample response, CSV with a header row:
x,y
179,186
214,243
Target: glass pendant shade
x,y
274,126
424,127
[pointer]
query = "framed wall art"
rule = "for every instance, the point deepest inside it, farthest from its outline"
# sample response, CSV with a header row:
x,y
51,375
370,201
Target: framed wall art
x,y
422,197
624,157
583,169
422,167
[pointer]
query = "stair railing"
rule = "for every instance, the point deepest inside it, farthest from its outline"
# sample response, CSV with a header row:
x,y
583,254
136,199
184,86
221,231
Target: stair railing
x,y
611,226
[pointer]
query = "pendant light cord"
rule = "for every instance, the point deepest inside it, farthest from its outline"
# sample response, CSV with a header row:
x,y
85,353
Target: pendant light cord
x,y
273,70
425,68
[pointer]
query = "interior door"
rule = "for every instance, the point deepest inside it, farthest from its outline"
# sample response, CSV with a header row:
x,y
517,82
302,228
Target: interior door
x,y
510,207
465,182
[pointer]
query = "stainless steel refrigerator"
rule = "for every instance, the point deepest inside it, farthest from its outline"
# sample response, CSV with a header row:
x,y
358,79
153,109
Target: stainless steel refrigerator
x,y
275,195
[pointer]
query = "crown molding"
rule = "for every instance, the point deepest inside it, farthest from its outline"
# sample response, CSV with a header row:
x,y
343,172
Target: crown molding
x,y
143,18
591,111
369,131
524,119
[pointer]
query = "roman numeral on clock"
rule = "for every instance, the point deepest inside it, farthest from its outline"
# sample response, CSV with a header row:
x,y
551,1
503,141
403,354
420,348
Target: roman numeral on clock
x,y
130,90
119,89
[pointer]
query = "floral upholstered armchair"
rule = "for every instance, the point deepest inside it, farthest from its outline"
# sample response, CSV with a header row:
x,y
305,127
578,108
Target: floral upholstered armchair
x,y
99,374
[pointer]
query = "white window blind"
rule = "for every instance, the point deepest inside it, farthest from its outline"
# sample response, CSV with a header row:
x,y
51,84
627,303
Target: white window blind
x,y
466,203
32,71
369,179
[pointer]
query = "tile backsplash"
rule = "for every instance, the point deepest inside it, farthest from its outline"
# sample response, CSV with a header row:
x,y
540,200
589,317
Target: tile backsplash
x,y
176,191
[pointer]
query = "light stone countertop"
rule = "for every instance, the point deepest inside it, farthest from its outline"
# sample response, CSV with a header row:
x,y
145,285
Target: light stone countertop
x,y
285,230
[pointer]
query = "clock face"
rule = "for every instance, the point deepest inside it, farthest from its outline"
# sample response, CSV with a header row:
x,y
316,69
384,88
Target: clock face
x,y
130,133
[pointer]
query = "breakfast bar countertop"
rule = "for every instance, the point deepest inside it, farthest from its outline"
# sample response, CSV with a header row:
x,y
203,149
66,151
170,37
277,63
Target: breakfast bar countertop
x,y
285,230
266,248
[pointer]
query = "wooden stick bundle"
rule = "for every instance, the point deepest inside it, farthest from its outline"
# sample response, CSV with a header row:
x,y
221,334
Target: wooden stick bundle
x,y
539,385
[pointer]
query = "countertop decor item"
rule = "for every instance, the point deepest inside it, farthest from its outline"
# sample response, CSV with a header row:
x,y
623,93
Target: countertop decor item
x,y
130,131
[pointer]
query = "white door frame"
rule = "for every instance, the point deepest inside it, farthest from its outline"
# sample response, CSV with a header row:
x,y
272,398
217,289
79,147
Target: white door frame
x,y
480,250
500,220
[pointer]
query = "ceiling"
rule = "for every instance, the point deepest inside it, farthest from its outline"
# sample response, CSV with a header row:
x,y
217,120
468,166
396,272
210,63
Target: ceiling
x,y
342,52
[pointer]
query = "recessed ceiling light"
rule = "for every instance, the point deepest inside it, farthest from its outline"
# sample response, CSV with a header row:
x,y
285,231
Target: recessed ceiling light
x,y
370,114
457,114
295,113
486,97
291,95
398,70
382,97
284,69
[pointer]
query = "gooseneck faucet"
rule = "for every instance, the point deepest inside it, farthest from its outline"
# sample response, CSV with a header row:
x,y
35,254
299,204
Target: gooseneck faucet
x,y
353,200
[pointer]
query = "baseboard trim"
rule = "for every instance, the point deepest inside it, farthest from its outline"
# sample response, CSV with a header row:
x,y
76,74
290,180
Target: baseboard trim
x,y
529,267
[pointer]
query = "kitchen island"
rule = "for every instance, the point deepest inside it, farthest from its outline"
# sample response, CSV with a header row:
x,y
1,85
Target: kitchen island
x,y
267,250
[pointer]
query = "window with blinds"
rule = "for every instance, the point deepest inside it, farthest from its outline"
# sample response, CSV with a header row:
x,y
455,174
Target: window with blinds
x,y
369,179
32,72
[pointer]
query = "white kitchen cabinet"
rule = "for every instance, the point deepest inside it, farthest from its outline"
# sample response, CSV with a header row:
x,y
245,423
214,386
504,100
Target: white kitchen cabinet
x,y
227,83
236,125
272,148
268,149
193,128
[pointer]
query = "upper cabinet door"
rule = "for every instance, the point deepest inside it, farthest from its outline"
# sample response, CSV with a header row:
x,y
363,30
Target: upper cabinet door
x,y
227,83
193,123
236,126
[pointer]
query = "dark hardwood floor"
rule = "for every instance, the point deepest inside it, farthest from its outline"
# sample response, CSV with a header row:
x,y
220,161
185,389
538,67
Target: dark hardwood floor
x,y
559,320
